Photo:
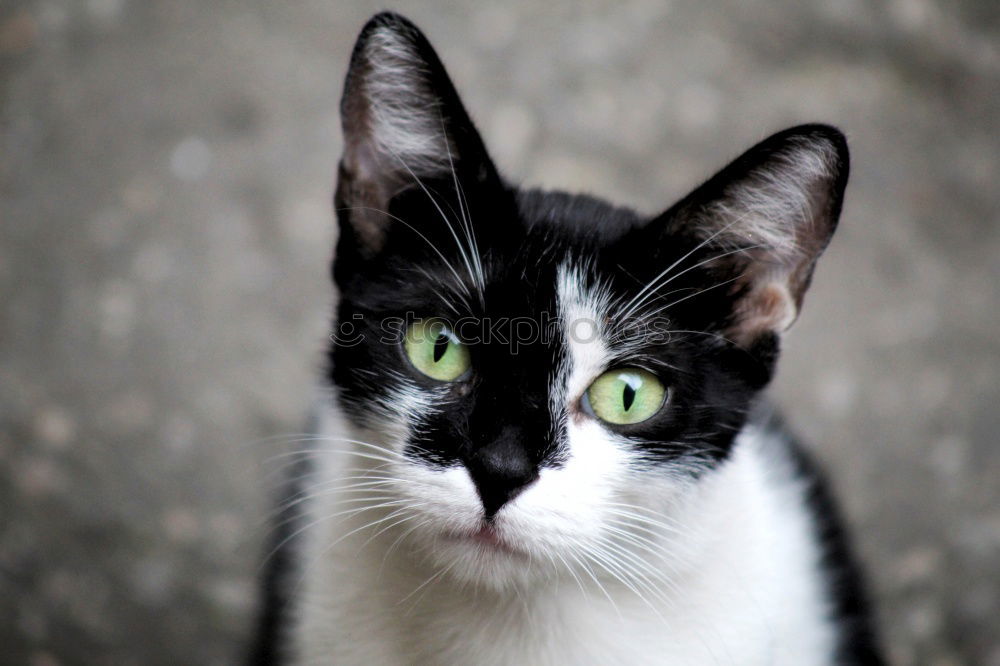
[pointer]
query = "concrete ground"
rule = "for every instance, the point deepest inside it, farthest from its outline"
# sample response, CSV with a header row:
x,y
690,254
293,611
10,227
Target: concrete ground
x,y
165,173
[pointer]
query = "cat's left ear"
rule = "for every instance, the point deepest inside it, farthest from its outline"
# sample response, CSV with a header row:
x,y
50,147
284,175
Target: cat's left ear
x,y
760,224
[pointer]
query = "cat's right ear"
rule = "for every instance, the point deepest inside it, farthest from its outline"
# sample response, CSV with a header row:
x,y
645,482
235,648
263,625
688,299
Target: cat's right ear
x,y
404,127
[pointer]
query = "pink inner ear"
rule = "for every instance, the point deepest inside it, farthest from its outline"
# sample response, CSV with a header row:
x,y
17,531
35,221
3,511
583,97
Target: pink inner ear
x,y
768,308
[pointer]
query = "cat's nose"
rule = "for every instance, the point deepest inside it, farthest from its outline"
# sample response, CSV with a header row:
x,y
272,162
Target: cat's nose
x,y
500,470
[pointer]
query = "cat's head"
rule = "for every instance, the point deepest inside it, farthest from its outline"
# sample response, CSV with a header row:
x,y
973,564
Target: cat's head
x,y
533,378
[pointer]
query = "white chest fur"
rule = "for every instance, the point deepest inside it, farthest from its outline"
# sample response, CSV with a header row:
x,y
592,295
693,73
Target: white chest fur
x,y
739,585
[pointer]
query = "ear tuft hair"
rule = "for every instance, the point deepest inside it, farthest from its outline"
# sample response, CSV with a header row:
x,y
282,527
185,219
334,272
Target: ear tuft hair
x,y
404,126
782,202
767,217
392,115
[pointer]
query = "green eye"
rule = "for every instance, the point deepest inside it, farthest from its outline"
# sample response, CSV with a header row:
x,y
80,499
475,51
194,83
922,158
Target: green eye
x,y
434,350
626,395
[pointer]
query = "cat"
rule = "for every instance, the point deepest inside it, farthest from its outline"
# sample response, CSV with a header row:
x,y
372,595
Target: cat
x,y
544,441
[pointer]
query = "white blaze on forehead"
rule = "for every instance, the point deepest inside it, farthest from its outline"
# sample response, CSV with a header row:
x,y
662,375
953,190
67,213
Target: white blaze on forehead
x,y
581,315
595,459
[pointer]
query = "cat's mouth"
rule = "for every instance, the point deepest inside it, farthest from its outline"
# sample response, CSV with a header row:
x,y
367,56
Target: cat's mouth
x,y
487,537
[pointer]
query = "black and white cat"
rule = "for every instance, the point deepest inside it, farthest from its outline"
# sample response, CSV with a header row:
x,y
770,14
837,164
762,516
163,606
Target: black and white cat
x,y
544,442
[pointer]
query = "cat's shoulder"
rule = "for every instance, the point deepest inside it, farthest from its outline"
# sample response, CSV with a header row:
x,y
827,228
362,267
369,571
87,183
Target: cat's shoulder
x,y
796,468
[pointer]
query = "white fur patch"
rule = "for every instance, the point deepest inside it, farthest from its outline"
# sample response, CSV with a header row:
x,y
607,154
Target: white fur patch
x,y
581,315
733,579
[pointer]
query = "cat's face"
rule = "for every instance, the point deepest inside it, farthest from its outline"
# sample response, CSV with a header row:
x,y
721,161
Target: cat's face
x,y
537,382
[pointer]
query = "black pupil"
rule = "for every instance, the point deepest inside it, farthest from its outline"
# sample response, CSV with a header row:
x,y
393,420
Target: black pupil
x,y
628,396
440,346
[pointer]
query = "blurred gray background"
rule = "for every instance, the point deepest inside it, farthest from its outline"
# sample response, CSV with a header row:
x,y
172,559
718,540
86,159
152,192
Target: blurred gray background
x,y
165,175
